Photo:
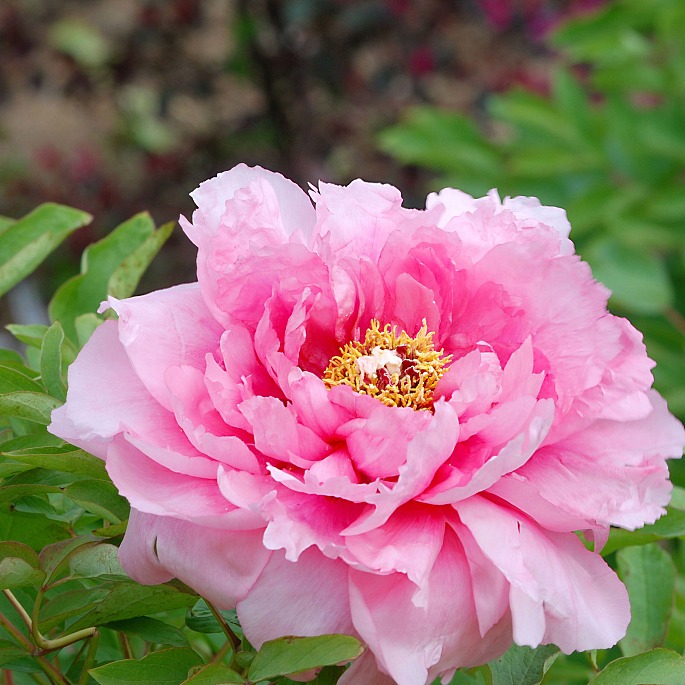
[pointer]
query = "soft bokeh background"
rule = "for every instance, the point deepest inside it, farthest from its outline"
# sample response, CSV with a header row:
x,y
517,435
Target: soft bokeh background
x,y
118,107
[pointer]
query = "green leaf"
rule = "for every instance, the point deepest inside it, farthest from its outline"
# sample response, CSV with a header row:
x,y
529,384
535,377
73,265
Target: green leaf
x,y
523,665
638,280
201,619
295,654
124,281
11,494
51,362
85,326
19,566
9,652
33,530
96,561
656,667
166,667
30,334
70,604
32,406
99,497
130,600
214,674
67,458
28,241
649,576
151,630
14,380
83,294
54,559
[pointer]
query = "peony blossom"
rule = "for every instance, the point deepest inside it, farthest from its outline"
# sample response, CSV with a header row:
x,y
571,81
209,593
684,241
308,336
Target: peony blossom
x,y
379,421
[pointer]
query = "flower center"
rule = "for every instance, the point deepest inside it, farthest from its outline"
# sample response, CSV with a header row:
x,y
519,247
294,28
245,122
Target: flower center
x,y
399,370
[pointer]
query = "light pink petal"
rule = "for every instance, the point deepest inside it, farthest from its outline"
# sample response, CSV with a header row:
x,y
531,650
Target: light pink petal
x,y
306,598
612,472
166,328
106,397
157,548
561,592
408,542
294,210
426,452
154,489
414,644
364,671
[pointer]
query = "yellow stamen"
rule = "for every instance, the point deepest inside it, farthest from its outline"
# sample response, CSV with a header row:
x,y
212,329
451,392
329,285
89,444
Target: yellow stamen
x,y
399,370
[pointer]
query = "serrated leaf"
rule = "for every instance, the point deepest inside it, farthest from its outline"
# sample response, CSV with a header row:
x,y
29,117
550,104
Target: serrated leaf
x,y
649,576
52,362
296,654
214,674
32,406
151,630
656,667
28,241
166,667
523,665
99,497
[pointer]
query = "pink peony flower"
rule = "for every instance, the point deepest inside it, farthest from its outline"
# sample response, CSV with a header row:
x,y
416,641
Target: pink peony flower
x,y
379,421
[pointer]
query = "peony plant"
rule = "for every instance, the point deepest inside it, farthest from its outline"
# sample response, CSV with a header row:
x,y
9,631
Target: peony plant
x,y
379,422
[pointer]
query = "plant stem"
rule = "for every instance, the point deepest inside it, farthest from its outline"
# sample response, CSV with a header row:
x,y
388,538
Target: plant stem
x,y
230,635
221,653
90,657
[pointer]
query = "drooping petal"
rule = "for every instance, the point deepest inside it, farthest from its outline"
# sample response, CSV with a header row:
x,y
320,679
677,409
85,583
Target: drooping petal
x,y
306,598
560,592
158,548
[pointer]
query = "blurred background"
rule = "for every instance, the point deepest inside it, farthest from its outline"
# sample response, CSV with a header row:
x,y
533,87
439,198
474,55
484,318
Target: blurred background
x,y
120,106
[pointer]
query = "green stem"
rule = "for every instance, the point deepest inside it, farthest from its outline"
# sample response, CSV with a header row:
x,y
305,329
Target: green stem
x,y
90,657
221,653
44,643
230,635
54,676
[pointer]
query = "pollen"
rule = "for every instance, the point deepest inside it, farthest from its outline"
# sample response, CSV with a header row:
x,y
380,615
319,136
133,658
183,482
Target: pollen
x,y
398,369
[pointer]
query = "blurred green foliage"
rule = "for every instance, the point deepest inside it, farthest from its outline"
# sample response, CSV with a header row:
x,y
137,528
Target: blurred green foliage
x,y
607,144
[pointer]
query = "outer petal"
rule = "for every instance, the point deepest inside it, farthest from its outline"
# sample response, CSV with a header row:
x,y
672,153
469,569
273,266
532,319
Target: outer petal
x,y
90,417
560,592
166,328
157,548
364,671
413,643
613,472
306,598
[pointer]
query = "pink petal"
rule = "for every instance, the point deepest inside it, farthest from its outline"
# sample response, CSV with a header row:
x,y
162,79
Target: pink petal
x,y
561,593
613,472
157,548
154,489
414,643
426,452
306,598
364,671
166,328
90,417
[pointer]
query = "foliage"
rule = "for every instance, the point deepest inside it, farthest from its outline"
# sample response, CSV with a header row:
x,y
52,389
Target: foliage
x,y
607,143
